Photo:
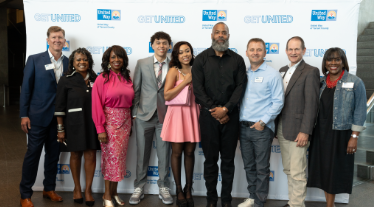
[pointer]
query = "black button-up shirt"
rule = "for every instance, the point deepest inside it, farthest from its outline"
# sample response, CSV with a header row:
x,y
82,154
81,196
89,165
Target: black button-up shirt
x,y
218,80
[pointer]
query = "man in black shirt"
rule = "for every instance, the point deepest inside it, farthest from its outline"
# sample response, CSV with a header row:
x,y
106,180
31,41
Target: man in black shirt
x,y
219,81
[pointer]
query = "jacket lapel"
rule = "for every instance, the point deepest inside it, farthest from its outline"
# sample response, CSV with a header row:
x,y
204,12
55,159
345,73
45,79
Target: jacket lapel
x,y
295,76
46,61
163,82
66,64
152,71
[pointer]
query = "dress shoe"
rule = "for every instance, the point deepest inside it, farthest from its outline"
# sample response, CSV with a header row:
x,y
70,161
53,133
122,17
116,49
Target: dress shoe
x,y
211,205
286,205
78,200
26,202
52,195
226,205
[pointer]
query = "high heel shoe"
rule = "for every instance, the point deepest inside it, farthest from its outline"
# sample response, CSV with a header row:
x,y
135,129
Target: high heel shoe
x,y
188,188
90,203
180,202
107,203
118,200
79,200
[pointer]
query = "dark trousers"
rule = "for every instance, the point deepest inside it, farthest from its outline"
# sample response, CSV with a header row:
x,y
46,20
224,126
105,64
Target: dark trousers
x,y
256,149
37,137
218,139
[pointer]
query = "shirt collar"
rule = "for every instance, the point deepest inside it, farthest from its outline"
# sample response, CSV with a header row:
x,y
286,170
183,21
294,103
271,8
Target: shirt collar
x,y
295,66
263,66
211,52
53,57
156,61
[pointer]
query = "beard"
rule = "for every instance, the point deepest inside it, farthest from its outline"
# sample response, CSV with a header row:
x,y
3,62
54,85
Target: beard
x,y
218,46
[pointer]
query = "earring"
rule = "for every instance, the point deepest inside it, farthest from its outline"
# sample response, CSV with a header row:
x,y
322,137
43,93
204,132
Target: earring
x,y
73,68
109,66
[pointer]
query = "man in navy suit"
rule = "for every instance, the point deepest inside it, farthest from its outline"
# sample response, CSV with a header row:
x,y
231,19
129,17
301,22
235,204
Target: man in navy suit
x,y
37,106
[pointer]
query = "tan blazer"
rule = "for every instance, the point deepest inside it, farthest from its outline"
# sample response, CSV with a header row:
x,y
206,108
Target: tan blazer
x,y
301,101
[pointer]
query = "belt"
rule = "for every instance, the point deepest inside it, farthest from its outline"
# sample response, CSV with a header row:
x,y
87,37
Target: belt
x,y
247,123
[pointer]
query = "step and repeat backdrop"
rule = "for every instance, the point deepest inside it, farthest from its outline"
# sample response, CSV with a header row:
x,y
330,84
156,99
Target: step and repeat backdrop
x,y
99,24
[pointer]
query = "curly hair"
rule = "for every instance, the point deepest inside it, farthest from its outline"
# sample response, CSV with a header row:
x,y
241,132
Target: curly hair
x,y
120,52
174,55
160,35
85,52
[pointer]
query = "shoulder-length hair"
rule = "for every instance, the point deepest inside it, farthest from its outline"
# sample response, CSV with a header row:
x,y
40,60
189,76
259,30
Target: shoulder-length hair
x,y
120,52
174,62
329,55
85,52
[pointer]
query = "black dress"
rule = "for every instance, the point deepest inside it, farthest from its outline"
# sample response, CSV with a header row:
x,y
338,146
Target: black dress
x,y
330,167
73,102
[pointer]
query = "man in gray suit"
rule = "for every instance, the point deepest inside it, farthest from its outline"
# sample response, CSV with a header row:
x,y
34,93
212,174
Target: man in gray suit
x,y
149,109
296,121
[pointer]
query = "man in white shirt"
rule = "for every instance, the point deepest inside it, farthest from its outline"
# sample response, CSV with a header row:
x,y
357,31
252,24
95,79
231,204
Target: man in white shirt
x,y
37,107
296,120
149,111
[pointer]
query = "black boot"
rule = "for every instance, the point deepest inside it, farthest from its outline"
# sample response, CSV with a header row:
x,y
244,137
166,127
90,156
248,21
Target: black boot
x,y
180,202
188,188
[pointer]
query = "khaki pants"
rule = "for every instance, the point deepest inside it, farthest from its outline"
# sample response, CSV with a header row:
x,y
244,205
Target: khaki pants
x,y
294,164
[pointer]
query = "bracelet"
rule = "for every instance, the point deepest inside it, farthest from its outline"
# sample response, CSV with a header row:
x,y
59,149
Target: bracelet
x,y
60,126
354,136
60,130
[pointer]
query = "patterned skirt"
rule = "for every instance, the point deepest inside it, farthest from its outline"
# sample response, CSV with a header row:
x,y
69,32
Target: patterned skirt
x,y
113,154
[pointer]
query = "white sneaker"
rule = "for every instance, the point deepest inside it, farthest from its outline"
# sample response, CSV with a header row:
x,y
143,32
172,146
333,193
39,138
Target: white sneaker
x,y
249,202
165,196
136,196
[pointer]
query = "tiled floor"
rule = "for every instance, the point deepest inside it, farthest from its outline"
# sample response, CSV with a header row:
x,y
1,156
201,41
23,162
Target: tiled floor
x,y
13,148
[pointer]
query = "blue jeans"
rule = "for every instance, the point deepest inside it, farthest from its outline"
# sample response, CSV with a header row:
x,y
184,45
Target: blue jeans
x,y
256,149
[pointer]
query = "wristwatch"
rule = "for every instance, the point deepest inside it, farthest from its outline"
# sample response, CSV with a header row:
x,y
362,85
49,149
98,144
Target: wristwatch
x,y
354,136
262,123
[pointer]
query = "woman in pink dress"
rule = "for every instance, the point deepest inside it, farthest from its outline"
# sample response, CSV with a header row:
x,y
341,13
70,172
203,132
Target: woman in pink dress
x,y
181,124
112,96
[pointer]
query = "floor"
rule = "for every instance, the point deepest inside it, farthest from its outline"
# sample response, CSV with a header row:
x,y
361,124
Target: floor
x,y
13,148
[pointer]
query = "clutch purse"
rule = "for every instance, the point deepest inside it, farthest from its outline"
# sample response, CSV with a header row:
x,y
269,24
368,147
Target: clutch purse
x,y
182,99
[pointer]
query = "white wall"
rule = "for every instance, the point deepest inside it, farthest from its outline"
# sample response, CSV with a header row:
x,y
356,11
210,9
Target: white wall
x,y
366,15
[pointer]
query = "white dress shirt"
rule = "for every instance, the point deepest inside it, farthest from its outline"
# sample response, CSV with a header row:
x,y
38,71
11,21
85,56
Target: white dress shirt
x,y
58,65
289,74
156,66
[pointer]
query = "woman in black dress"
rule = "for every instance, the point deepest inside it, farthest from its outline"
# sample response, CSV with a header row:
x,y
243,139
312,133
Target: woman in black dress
x,y
76,129
341,117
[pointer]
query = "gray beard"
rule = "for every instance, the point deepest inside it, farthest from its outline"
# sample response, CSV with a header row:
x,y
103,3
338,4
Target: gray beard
x,y
220,46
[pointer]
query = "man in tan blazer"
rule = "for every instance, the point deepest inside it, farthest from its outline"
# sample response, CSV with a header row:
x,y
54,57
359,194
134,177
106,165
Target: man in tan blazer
x,y
297,119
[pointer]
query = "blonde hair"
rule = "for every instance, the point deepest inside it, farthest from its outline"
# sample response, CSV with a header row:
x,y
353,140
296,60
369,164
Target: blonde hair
x,y
55,29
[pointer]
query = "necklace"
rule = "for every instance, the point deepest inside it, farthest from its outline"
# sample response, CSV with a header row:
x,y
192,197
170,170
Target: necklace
x,y
332,84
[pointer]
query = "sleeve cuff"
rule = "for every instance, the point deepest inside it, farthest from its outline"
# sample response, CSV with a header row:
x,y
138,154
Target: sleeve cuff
x,y
59,113
265,119
100,129
229,107
357,128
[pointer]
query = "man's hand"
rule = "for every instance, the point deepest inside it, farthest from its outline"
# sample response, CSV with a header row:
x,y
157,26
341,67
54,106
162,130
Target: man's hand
x,y
224,120
103,137
258,126
302,139
25,124
218,112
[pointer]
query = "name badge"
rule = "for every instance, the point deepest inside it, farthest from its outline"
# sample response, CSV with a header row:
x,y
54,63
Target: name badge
x,y
259,79
282,73
49,66
91,84
348,85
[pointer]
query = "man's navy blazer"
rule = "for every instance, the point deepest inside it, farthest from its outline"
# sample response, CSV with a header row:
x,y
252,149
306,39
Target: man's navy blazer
x,y
39,88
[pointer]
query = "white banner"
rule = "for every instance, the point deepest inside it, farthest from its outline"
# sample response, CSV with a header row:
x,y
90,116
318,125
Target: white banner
x,y
98,24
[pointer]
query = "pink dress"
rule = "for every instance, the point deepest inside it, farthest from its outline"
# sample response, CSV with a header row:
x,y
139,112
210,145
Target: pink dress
x,y
181,123
111,102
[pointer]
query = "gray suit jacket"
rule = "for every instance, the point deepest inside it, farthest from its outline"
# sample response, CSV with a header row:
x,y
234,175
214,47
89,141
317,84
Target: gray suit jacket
x,y
301,101
148,98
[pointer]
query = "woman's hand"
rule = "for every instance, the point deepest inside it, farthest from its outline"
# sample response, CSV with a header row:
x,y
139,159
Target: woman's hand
x,y
103,138
352,146
61,137
188,78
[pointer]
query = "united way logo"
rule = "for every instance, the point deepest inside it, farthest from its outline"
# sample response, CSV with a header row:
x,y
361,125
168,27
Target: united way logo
x,y
63,169
324,15
57,17
272,48
109,14
152,51
153,171
271,176
215,15
128,174
66,47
